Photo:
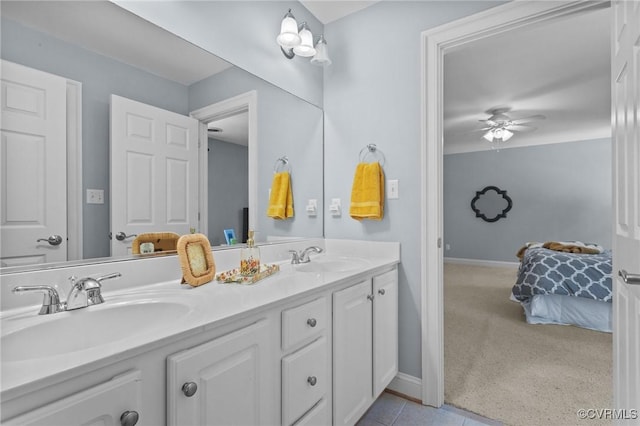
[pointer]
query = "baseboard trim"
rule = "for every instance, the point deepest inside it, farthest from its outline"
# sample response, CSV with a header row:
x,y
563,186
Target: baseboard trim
x,y
406,386
479,262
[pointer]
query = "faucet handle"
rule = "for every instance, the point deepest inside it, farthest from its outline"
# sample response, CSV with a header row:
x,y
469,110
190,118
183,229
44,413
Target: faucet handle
x,y
295,258
109,276
51,300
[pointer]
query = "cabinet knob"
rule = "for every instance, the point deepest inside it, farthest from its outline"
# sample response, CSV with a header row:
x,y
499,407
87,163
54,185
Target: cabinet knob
x,y
189,389
312,380
381,292
312,322
370,297
129,418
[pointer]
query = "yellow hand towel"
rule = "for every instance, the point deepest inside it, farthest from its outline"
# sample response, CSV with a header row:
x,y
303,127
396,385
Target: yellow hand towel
x,y
367,193
281,198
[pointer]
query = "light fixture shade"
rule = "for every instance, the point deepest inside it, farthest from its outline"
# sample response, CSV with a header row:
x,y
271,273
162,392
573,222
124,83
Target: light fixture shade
x,y
488,136
305,48
506,135
288,36
322,56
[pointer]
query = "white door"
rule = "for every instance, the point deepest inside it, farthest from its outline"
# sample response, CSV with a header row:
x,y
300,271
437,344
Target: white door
x,y
222,382
33,166
154,172
352,361
626,166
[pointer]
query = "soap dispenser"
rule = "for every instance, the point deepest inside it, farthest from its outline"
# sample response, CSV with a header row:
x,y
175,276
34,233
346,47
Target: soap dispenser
x,y
250,258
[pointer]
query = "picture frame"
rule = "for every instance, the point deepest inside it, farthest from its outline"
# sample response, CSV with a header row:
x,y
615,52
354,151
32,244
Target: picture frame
x,y
230,236
196,259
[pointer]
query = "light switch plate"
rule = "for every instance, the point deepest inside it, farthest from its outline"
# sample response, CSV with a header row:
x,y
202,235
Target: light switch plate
x,y
95,196
392,189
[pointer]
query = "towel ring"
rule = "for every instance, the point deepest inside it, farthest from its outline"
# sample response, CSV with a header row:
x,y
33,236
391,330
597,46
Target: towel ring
x,y
371,149
282,165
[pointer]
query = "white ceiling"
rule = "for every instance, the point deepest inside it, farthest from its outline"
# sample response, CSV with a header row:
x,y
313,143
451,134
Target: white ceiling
x,y
331,10
234,129
559,69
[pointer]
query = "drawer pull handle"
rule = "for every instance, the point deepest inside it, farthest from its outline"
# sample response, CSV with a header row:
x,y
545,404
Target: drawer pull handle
x,y
312,380
312,322
189,389
381,292
129,418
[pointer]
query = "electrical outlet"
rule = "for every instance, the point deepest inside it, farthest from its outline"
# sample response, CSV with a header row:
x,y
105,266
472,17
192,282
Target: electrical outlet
x,y
95,196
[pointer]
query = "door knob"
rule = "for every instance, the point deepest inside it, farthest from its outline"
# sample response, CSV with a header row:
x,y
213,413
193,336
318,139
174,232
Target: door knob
x,y
629,278
370,297
312,322
312,380
381,292
54,240
129,418
189,389
121,236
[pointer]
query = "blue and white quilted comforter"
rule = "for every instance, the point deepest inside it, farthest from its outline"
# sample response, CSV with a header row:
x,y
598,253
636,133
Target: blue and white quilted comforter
x,y
544,271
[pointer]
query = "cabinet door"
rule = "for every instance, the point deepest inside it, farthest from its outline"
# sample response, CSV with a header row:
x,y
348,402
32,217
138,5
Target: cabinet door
x,y
352,336
385,330
103,405
229,373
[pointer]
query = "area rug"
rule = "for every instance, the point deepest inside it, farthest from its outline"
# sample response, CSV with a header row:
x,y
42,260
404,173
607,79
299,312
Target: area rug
x,y
500,367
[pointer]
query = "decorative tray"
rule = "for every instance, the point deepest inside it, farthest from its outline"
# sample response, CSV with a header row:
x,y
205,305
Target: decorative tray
x,y
233,276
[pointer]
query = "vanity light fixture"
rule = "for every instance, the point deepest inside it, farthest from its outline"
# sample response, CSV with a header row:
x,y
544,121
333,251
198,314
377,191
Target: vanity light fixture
x,y
298,40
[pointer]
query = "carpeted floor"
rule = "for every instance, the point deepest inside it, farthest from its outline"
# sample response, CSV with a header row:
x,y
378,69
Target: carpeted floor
x,y
500,367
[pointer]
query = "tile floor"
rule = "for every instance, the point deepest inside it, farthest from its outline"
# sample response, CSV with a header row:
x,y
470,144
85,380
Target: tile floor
x,y
392,410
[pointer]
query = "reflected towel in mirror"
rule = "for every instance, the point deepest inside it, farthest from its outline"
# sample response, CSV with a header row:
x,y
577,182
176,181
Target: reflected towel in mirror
x,y
281,197
367,193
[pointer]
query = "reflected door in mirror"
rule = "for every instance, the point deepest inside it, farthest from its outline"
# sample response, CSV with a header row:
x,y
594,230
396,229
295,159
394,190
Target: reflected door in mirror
x,y
154,171
33,166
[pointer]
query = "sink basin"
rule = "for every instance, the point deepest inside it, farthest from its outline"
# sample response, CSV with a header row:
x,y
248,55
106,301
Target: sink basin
x,y
319,264
68,332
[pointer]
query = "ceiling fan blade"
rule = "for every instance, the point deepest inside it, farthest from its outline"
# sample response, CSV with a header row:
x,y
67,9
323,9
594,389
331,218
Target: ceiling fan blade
x,y
521,128
528,119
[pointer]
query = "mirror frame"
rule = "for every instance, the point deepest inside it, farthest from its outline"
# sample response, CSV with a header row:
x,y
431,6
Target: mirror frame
x,y
501,215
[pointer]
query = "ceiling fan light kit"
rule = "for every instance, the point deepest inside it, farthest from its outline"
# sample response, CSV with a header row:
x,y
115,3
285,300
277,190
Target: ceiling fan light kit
x,y
500,127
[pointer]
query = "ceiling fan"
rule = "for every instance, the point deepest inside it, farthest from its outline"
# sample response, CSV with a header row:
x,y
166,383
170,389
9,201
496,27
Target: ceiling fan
x,y
500,127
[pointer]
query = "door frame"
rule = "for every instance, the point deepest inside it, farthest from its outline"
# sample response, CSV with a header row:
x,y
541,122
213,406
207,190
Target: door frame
x,y
434,43
244,102
74,171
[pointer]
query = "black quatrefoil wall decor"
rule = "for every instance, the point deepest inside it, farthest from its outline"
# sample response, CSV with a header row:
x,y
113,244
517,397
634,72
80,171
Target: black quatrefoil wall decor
x,y
491,204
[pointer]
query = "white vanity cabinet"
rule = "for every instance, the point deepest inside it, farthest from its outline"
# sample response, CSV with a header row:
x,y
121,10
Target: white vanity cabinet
x,y
365,344
225,381
115,402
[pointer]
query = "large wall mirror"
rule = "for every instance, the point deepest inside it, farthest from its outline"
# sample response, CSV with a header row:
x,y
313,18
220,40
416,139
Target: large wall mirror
x,y
110,51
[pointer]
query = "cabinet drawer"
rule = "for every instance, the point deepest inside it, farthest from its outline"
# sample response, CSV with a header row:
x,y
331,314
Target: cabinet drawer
x,y
317,416
303,322
304,380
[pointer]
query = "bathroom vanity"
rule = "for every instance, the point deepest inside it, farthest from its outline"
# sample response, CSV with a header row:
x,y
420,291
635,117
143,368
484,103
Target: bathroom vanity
x,y
314,344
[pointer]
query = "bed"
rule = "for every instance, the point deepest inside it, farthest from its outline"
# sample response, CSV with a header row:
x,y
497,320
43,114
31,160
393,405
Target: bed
x,y
558,287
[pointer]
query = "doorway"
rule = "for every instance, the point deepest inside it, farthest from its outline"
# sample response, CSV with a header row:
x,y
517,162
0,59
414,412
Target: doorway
x,y
434,45
242,107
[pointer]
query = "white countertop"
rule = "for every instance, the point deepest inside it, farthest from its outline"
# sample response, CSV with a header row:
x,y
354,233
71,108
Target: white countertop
x,y
197,309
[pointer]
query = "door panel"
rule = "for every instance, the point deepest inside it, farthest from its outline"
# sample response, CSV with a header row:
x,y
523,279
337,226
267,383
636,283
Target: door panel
x,y
154,171
626,158
33,165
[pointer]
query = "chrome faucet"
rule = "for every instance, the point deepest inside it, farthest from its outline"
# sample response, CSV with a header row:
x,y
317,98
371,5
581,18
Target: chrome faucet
x,y
51,302
87,291
303,257
84,292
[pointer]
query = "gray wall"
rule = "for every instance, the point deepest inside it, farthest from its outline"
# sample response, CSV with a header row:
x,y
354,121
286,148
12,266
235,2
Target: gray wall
x,y
287,125
372,95
560,192
228,188
100,77
243,33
